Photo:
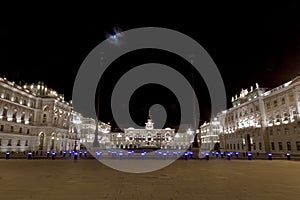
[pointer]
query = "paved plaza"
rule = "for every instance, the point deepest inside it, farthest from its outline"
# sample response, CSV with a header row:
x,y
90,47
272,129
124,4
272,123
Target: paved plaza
x,y
184,179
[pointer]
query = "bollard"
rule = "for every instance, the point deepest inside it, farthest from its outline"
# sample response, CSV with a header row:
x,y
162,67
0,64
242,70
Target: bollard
x,y
29,155
75,155
207,156
64,153
270,156
143,154
98,154
48,154
7,155
53,155
249,154
217,154
80,154
85,153
288,156
222,154
237,154
186,155
121,154
228,156
70,153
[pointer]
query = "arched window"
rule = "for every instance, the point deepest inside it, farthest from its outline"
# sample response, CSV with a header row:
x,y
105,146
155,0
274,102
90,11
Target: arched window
x,y
4,113
14,116
23,117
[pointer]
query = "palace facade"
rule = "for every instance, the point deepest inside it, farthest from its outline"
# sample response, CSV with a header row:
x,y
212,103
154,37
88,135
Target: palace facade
x,y
34,117
261,120
149,137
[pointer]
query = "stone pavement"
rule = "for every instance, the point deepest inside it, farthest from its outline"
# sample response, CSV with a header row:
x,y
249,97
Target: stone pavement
x,y
184,179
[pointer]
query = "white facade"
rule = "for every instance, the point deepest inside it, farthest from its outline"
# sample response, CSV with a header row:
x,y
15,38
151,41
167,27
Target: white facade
x,y
209,135
263,120
151,138
34,117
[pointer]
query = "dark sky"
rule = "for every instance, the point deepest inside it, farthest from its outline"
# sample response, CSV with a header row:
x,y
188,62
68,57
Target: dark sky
x,y
249,44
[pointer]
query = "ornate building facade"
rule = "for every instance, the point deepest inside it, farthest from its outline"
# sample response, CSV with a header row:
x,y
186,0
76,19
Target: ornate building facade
x,y
151,138
34,117
263,120
210,134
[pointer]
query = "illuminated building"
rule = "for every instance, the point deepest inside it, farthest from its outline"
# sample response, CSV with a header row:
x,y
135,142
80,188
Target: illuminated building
x,y
149,137
34,117
263,120
210,133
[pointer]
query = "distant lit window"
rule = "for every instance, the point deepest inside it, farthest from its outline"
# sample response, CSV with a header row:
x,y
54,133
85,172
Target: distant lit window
x,y
260,146
288,146
278,131
272,146
298,145
286,130
295,130
271,131
283,100
280,146
275,103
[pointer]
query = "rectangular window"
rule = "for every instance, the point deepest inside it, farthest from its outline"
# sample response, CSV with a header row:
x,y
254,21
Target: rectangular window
x,y
227,146
9,142
234,146
286,130
238,146
288,146
20,130
254,146
278,131
271,131
230,146
280,146
11,129
283,100
275,103
0,142
298,145
1,127
272,146
260,146
268,106
28,131
19,143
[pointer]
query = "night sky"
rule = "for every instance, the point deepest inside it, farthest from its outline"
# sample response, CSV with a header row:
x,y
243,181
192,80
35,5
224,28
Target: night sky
x,y
249,44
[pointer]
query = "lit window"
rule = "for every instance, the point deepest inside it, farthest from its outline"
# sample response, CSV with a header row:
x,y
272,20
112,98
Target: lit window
x,y
286,130
288,145
260,146
280,146
273,146
298,145
275,103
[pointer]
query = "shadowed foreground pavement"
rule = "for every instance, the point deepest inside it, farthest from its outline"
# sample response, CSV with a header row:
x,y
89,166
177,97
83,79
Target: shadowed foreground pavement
x,y
192,179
